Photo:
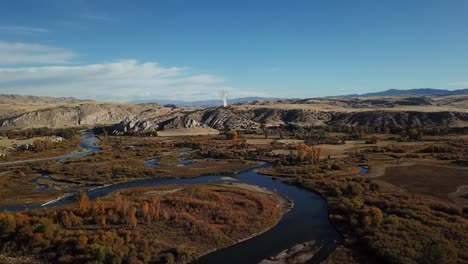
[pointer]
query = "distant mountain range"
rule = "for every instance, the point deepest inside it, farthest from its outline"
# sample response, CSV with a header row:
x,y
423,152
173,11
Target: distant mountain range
x,y
31,99
421,107
202,103
410,92
419,92
388,93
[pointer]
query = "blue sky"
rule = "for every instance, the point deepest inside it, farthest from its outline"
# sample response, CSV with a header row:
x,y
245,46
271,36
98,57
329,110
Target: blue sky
x,y
191,50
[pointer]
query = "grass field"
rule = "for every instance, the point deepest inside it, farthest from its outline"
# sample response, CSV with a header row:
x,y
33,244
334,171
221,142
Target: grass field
x,y
15,190
431,180
188,132
6,142
321,106
259,141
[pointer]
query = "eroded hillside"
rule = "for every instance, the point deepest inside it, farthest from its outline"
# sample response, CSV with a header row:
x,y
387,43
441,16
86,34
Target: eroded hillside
x,y
384,112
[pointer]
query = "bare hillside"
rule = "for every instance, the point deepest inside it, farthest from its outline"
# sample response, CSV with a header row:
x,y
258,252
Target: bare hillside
x,y
84,114
376,112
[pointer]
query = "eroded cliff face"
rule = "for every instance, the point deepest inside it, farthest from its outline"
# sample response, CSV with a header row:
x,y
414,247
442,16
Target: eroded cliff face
x,y
230,118
89,114
152,117
400,119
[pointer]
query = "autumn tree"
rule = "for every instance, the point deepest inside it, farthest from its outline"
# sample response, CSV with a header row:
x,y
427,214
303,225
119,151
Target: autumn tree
x,y
82,241
7,224
145,211
101,220
155,209
83,204
75,220
112,216
310,154
118,204
131,217
315,153
98,208
302,152
376,216
231,135
65,219
439,252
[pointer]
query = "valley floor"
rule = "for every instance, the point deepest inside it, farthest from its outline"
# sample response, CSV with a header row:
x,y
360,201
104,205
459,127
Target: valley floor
x,y
409,207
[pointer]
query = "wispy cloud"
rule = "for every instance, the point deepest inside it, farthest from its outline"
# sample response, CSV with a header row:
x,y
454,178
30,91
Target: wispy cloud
x,y
24,53
459,84
44,70
121,81
22,30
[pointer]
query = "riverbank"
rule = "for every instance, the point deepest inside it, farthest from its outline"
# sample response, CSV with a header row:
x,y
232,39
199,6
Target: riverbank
x,y
315,251
367,212
250,248
284,205
220,215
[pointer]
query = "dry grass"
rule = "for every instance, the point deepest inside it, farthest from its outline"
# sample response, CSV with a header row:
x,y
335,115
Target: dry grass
x,y
431,180
333,108
211,167
7,143
180,225
15,190
290,141
259,141
187,132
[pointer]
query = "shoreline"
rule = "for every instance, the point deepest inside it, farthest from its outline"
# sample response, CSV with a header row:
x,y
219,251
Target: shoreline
x,y
124,181
283,202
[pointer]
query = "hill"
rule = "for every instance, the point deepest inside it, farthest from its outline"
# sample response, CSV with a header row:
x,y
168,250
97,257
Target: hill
x,y
79,114
381,112
31,99
410,92
202,103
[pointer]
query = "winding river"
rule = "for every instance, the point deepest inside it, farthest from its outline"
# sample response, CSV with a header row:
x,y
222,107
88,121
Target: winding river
x,y
88,145
306,221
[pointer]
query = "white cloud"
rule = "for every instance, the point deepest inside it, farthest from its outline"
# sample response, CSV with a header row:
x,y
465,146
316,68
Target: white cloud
x,y
459,84
49,72
23,53
22,30
121,81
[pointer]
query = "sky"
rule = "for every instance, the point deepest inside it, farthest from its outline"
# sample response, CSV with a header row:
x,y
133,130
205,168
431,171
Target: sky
x,y
115,50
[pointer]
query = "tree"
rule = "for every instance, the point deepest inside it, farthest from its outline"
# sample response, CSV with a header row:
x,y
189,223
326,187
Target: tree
x,y
101,220
65,219
132,220
376,215
145,211
302,150
439,252
118,204
7,224
82,241
83,204
315,153
98,208
231,135
75,220
354,189
310,154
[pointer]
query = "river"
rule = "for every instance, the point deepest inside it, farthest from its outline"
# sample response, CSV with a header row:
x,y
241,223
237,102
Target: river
x,y
306,221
